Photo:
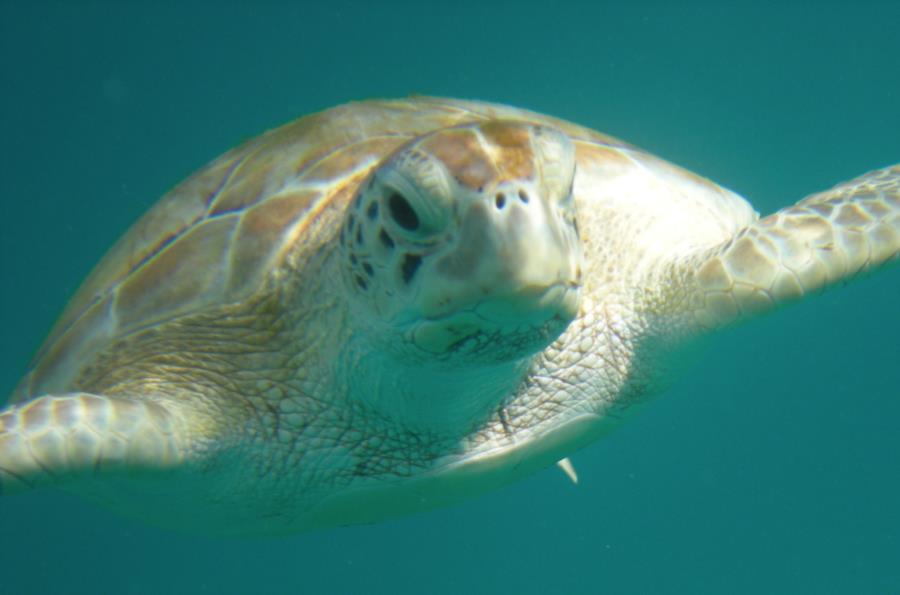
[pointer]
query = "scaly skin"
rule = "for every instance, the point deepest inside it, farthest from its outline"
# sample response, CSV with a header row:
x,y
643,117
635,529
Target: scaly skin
x,y
49,439
826,238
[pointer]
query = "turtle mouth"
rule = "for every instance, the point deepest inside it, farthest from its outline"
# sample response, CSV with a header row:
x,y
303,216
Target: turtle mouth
x,y
560,298
499,328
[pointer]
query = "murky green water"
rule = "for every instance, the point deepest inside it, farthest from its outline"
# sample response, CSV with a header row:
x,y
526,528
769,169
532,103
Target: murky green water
x,y
773,468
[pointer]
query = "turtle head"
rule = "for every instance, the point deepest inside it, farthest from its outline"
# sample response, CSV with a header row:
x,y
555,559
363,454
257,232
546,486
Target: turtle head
x,y
462,247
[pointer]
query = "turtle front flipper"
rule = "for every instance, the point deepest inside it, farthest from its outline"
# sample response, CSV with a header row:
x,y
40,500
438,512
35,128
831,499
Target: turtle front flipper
x,y
825,238
53,439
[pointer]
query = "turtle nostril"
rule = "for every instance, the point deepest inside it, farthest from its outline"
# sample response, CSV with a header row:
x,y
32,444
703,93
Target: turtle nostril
x,y
500,200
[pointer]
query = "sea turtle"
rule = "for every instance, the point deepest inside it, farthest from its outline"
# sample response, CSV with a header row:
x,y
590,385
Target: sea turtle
x,y
393,305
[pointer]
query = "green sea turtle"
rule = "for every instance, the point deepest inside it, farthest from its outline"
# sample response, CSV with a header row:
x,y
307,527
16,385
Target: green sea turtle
x,y
393,305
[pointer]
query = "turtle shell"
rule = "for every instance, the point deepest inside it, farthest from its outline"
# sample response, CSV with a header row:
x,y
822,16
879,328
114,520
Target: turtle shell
x,y
215,237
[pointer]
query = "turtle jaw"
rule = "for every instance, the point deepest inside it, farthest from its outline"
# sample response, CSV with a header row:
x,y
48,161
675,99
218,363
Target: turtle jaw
x,y
500,329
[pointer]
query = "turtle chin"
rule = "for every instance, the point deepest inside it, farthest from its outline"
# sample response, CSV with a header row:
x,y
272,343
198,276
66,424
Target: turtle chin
x,y
497,330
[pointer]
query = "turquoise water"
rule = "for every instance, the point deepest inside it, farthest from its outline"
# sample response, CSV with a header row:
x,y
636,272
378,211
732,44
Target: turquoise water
x,y
774,467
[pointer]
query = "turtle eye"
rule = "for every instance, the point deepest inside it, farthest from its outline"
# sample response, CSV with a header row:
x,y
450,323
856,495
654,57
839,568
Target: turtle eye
x,y
402,212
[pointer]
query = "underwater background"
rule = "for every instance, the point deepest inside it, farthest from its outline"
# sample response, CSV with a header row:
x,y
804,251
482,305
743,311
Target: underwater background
x,y
772,467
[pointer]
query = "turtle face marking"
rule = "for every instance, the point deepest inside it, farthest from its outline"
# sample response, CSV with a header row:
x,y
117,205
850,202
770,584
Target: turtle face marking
x,y
463,246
